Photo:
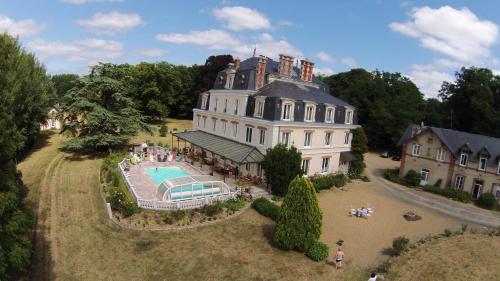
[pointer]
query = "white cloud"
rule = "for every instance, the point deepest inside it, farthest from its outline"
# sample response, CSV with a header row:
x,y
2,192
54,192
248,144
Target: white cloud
x,y
80,2
349,62
323,71
239,18
286,23
152,52
111,23
459,34
89,51
429,78
21,28
215,39
324,56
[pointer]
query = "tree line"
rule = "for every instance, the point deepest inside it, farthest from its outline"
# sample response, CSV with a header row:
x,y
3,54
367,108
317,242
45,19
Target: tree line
x,y
25,95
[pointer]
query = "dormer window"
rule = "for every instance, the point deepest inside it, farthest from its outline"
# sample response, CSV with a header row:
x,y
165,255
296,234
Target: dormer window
x,y
464,157
482,163
287,111
329,115
348,117
259,107
204,100
309,114
229,81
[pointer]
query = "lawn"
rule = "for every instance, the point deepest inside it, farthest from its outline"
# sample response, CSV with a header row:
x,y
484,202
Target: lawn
x,y
175,125
468,257
77,242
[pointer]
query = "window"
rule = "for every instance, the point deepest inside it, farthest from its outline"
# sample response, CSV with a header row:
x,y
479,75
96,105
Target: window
x,y
204,102
441,153
346,137
52,123
259,108
348,117
325,164
329,115
287,112
214,124
224,127
236,105
247,166
482,163
416,150
328,138
459,182
305,166
215,104
259,170
235,129
248,137
262,136
307,139
204,121
285,138
463,159
225,105
309,116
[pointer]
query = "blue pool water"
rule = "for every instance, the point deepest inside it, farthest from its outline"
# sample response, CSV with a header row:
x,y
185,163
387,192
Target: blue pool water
x,y
165,173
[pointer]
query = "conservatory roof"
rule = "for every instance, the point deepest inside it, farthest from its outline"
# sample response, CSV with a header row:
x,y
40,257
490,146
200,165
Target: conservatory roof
x,y
226,148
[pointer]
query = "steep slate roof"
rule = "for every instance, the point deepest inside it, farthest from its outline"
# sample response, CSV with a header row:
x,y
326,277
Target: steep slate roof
x,y
455,140
229,149
297,91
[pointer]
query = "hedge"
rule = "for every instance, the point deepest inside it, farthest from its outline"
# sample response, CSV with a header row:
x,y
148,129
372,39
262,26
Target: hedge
x,y
328,181
461,196
318,251
487,201
266,208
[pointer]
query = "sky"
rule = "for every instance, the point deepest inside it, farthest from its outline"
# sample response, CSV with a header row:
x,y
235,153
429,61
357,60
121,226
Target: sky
x,y
428,41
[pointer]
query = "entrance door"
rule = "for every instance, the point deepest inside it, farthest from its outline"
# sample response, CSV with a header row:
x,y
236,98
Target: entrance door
x,y
424,176
477,189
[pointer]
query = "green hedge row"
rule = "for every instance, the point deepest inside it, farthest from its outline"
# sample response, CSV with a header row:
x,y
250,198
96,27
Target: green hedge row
x,y
266,208
328,181
461,196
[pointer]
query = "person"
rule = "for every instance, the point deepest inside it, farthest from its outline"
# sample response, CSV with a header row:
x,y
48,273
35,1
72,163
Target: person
x,y
373,277
339,256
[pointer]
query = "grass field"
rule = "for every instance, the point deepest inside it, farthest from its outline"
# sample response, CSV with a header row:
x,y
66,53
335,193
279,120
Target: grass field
x,y
463,257
75,240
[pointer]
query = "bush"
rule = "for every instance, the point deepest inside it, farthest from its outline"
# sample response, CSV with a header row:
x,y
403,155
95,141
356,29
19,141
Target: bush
x,y
487,201
234,205
212,209
163,130
438,183
281,164
266,208
400,244
447,232
299,222
454,194
329,181
412,178
119,202
463,197
393,175
318,251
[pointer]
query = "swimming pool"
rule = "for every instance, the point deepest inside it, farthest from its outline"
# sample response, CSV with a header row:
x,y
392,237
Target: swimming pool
x,y
159,175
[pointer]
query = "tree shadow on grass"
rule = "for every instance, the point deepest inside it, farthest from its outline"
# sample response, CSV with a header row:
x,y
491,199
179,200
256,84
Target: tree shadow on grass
x,y
268,232
41,141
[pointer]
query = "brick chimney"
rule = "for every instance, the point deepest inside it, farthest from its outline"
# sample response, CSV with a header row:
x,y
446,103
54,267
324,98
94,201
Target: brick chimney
x,y
286,66
306,70
261,72
237,63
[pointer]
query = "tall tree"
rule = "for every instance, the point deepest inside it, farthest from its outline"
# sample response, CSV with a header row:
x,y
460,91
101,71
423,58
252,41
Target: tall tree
x,y
281,165
63,83
359,146
98,113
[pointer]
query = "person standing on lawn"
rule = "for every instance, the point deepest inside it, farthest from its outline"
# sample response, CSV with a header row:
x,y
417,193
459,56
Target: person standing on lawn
x,y
339,257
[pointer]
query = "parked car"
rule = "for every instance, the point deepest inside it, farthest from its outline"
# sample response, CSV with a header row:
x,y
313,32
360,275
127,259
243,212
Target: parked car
x,y
396,157
384,154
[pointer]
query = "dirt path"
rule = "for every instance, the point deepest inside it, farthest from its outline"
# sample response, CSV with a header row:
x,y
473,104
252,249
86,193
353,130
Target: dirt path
x,y
464,212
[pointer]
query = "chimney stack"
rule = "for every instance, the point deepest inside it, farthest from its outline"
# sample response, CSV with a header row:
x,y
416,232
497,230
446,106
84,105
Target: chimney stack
x,y
286,66
306,70
261,72
237,63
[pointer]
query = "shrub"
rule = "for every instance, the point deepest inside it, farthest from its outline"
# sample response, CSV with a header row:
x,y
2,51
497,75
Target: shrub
x,y
438,183
119,202
163,130
318,251
447,232
299,222
328,181
487,201
212,209
178,214
463,196
393,175
266,208
412,178
234,205
400,244
281,164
